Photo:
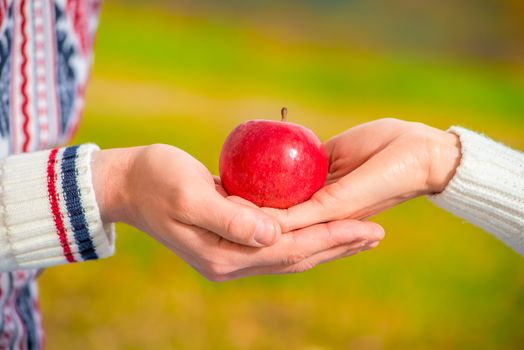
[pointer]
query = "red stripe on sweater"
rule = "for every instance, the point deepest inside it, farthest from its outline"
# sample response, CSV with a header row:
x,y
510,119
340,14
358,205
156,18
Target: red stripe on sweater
x,y
54,109
55,208
23,87
14,96
3,11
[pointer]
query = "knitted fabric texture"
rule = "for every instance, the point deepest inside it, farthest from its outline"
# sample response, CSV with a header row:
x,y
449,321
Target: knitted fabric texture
x,y
488,188
48,210
45,60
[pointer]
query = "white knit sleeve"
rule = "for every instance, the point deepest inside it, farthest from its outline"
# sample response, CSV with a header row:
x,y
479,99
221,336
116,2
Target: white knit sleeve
x,y
48,210
487,188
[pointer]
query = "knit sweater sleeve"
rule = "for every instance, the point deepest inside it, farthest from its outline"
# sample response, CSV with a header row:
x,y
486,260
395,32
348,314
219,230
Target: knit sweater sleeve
x,y
48,210
488,188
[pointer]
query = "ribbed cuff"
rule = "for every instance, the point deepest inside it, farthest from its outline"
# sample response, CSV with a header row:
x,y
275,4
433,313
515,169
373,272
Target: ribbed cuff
x,y
48,210
488,188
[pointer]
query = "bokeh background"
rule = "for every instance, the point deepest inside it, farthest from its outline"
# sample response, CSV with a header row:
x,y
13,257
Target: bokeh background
x,y
186,72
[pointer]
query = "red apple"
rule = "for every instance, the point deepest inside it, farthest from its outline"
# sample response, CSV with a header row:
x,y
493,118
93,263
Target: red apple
x,y
273,163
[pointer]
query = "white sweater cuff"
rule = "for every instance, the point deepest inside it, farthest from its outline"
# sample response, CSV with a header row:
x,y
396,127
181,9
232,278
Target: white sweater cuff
x,y
48,210
488,188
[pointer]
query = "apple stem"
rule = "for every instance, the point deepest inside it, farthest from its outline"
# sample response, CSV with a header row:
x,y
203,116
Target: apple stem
x,y
283,113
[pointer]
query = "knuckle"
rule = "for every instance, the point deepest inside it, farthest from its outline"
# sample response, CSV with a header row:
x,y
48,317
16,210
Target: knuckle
x,y
333,236
328,201
236,226
302,266
352,250
293,258
336,233
218,269
284,216
213,267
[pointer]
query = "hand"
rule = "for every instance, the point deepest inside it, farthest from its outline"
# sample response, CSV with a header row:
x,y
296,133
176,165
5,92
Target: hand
x,y
150,187
168,194
375,166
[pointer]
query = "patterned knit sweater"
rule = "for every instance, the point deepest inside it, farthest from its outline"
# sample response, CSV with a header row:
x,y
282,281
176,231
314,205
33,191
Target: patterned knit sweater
x,y
48,210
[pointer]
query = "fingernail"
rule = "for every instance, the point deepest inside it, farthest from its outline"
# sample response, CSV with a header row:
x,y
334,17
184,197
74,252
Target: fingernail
x,y
264,232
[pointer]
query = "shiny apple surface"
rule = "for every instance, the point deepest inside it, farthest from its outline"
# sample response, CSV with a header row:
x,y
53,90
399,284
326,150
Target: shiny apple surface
x,y
273,163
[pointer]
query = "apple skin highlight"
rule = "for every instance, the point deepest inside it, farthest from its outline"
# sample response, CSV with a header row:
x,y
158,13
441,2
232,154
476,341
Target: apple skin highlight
x,y
273,163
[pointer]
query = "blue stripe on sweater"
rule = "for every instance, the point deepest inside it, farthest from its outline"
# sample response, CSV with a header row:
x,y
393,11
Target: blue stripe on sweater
x,y
75,210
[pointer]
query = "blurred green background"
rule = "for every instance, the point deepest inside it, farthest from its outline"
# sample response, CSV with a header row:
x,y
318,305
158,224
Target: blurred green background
x,y
186,73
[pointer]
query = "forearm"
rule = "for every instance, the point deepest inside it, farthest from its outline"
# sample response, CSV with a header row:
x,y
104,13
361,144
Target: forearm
x,y
488,188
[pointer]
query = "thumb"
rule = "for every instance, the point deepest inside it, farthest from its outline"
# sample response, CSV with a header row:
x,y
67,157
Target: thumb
x,y
237,222
323,206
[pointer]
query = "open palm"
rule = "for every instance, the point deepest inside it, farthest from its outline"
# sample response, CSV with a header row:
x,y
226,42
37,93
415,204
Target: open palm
x,y
375,166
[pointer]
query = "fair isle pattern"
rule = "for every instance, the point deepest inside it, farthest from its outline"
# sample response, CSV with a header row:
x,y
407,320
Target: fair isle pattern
x,y
6,43
20,321
23,73
76,24
52,54
44,91
18,76
48,216
45,58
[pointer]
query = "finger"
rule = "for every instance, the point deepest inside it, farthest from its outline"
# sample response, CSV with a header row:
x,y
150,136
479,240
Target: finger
x,y
216,257
392,176
235,222
382,182
327,204
355,146
301,244
306,264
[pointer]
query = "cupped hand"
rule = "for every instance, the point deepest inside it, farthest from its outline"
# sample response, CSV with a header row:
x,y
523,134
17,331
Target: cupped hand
x,y
168,194
375,166
149,187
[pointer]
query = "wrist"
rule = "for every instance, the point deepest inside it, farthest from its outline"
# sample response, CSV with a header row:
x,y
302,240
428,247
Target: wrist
x,y
445,156
110,169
